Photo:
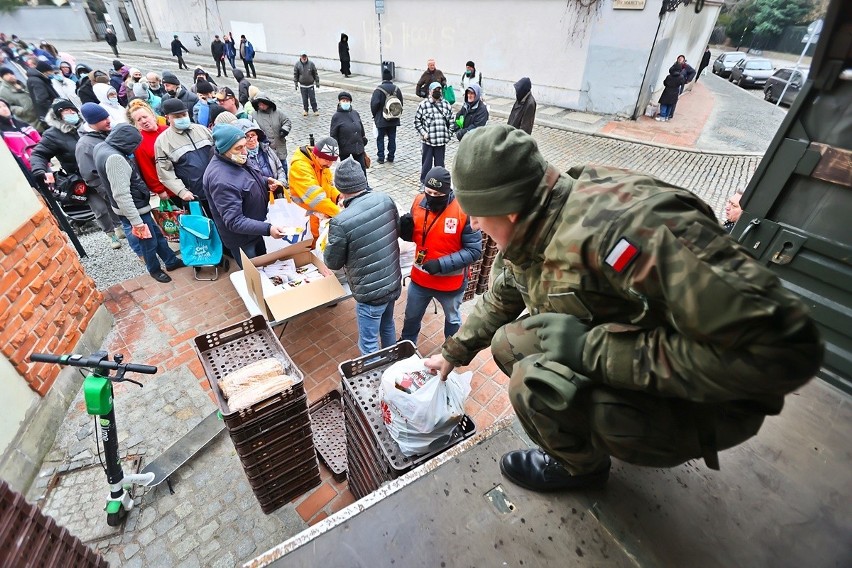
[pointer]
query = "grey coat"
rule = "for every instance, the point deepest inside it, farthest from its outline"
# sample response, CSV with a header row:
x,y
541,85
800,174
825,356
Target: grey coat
x,y
274,123
363,239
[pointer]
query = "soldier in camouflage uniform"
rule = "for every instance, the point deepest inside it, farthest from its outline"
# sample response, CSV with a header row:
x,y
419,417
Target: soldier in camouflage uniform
x,y
651,335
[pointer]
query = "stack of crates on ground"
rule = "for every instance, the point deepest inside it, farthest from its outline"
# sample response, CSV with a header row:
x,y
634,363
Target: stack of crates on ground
x,y
480,271
28,537
372,456
273,437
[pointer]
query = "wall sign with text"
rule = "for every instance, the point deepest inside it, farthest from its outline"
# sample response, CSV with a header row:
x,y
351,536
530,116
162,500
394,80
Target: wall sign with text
x,y
628,4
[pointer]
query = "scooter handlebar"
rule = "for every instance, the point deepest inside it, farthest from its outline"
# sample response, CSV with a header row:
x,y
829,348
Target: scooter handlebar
x,y
103,362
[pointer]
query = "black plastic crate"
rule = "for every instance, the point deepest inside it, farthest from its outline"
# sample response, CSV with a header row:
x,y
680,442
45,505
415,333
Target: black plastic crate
x,y
277,434
329,433
274,500
272,457
269,421
290,473
224,351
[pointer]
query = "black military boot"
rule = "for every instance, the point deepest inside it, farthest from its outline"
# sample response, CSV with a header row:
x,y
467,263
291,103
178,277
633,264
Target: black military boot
x,y
537,471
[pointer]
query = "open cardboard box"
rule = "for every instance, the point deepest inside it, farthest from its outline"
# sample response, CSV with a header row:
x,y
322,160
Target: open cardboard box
x,y
286,303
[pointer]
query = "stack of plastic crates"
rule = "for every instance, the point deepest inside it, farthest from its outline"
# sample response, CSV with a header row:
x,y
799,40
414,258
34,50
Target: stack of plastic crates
x,y
28,537
489,252
273,437
373,457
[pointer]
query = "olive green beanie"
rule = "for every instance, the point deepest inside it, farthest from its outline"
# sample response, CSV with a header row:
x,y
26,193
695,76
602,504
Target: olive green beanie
x,y
496,170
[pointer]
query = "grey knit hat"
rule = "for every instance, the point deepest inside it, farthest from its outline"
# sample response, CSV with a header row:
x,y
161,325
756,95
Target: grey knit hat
x,y
349,177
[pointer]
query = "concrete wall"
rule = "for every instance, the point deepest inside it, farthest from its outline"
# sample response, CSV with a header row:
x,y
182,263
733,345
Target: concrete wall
x,y
48,22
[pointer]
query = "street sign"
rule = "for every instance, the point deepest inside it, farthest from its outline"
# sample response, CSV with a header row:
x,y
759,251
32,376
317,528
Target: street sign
x,y
380,7
813,32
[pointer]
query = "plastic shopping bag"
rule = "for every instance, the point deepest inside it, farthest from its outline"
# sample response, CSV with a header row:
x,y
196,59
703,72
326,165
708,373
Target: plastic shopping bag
x,y
419,410
292,218
166,216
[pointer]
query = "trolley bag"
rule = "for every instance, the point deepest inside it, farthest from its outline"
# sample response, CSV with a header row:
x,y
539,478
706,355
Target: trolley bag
x,y
200,244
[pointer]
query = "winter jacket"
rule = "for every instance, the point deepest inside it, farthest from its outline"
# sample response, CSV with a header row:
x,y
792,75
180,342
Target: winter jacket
x,y
128,194
182,156
238,199
705,59
348,130
471,115
20,138
178,48
146,160
274,123
522,115
66,89
111,38
686,71
466,81
305,74
188,98
85,91
41,91
20,103
671,87
268,163
60,142
117,113
343,48
246,50
116,79
432,121
201,112
230,48
312,186
377,104
426,79
242,94
450,240
85,155
217,49
363,240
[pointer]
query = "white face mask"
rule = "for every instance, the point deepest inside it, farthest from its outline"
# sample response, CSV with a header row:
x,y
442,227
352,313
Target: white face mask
x,y
238,158
112,101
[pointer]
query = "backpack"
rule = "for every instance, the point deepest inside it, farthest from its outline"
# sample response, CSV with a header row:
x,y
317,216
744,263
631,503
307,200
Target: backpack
x,y
392,108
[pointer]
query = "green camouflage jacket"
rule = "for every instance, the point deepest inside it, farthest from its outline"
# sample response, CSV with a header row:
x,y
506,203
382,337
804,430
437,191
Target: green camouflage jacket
x,y
676,307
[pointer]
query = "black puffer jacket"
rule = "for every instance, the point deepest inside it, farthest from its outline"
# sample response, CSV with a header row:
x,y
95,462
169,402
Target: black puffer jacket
x,y
363,239
41,91
243,91
60,142
348,130
377,104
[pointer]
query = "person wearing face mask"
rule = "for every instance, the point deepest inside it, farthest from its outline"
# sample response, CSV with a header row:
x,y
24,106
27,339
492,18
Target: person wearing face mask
x,y
58,141
311,180
175,90
150,126
239,195
473,114
108,98
260,155
348,130
42,93
446,246
470,76
206,100
182,153
432,122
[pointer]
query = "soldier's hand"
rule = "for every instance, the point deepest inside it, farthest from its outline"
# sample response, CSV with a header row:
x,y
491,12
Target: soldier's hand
x,y
562,338
439,366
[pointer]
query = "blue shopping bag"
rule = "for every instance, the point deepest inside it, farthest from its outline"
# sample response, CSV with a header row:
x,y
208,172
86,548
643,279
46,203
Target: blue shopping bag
x,y
200,244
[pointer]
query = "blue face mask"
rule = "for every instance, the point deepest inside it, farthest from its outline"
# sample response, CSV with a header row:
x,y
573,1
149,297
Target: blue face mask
x,y
71,118
182,123
252,152
345,106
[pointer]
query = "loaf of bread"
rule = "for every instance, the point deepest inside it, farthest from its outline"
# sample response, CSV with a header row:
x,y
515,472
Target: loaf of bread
x,y
255,392
251,374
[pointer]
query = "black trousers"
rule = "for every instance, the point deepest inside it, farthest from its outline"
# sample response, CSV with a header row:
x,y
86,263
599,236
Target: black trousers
x,y
181,63
221,67
247,64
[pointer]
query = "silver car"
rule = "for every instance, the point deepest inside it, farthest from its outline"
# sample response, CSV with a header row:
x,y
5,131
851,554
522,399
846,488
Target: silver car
x,y
723,64
751,72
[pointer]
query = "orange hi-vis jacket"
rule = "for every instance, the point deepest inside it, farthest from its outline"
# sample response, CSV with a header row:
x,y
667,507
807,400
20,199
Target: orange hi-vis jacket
x,y
439,235
312,187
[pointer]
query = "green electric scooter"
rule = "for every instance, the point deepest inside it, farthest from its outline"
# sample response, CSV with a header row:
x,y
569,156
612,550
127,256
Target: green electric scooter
x,y
97,389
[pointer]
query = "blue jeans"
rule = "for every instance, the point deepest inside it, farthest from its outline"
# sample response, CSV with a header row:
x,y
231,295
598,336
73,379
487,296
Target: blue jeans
x,y
432,156
151,248
390,132
666,111
373,322
418,300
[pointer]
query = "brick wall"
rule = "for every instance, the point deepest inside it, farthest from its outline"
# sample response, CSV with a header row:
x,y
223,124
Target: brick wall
x,y
46,298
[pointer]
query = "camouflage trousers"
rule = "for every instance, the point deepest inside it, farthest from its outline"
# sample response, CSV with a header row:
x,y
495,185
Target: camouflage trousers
x,y
580,422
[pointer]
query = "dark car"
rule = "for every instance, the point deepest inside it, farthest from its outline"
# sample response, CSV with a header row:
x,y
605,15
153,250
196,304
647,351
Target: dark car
x,y
775,85
723,64
751,72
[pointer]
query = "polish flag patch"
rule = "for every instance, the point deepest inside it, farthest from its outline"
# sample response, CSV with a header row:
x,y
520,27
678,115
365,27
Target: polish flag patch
x,y
622,254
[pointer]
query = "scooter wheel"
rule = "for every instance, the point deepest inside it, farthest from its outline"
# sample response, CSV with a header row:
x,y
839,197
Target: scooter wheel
x,y
115,519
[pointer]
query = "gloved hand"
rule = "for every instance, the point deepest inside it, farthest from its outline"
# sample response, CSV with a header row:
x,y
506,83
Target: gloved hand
x,y
296,87
406,227
562,338
283,133
432,266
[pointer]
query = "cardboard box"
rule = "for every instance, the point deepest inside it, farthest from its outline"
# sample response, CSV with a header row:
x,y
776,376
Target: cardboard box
x,y
286,303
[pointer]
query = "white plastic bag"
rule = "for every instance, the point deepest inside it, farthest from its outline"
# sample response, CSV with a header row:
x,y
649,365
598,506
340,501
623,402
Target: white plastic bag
x,y
292,218
424,419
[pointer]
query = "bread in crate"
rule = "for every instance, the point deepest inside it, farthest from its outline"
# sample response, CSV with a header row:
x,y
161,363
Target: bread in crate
x,y
254,382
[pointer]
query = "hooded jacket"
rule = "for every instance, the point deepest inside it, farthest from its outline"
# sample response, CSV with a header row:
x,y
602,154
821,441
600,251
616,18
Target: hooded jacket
x,y
377,104
20,137
41,91
117,114
85,155
312,186
522,115
671,86
60,142
182,156
20,103
238,200
274,124
127,192
348,130
472,115
363,239
243,90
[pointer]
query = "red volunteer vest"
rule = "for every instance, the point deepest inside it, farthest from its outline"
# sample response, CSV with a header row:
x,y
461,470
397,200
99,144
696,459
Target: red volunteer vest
x,y
439,235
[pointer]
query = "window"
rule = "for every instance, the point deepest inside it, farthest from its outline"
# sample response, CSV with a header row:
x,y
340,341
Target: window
x,y
760,65
782,74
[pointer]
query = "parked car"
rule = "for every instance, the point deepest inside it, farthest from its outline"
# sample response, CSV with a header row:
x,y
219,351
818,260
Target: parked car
x,y
751,72
725,62
775,85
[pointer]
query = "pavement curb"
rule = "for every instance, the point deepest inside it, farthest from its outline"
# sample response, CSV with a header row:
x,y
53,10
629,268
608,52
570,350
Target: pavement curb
x,y
353,86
